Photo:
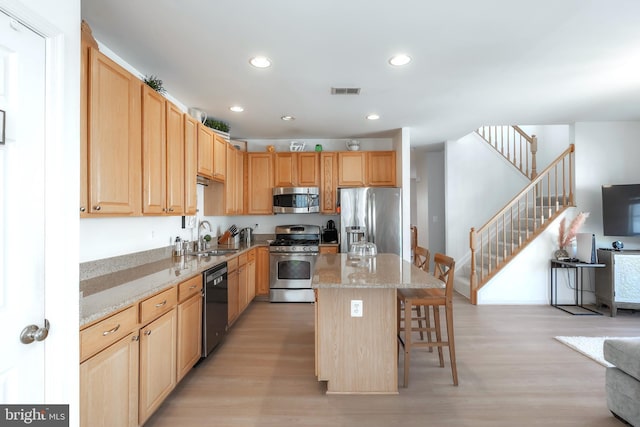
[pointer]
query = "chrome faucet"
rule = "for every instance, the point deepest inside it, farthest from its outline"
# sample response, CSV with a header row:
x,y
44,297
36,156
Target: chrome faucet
x,y
206,224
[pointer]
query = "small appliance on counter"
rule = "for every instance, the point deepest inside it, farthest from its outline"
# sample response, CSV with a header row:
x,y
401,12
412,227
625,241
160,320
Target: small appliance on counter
x,y
330,234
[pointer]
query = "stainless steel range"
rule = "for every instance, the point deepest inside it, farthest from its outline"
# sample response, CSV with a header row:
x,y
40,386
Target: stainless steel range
x,y
292,260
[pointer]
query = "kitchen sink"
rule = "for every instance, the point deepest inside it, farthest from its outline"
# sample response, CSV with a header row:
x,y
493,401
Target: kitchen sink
x,y
213,252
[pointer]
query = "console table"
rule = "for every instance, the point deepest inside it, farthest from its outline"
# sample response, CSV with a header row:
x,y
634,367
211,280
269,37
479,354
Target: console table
x,y
578,267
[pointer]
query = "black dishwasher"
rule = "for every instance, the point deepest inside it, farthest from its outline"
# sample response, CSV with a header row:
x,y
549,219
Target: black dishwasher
x,y
214,310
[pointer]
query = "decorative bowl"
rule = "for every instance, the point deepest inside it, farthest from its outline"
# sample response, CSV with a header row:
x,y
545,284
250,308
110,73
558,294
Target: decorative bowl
x,y
353,145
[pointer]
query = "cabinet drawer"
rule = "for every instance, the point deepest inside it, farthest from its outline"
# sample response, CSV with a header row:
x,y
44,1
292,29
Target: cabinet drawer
x,y
251,255
156,305
104,333
189,287
232,264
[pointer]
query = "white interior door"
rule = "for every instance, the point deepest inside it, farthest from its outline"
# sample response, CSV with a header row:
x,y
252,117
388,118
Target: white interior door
x,y
22,257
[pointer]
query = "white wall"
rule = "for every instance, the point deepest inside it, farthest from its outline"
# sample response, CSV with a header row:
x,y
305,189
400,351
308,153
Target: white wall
x,y
606,153
479,181
436,213
60,23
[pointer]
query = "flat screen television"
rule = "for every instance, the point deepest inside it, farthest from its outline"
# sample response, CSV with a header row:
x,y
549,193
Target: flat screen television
x,y
621,210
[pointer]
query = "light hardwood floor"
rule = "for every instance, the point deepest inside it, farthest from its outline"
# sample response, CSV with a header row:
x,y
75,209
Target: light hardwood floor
x,y
511,370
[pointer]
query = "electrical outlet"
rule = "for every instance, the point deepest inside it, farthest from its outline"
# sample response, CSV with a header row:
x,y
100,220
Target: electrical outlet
x,y
356,308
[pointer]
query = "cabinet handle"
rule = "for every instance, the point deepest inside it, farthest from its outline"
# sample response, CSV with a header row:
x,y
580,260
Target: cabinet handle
x,y
135,338
83,209
193,287
97,208
161,304
147,332
105,333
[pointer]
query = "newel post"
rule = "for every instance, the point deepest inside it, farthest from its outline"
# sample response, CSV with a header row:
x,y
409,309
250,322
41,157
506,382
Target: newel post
x,y
534,150
473,285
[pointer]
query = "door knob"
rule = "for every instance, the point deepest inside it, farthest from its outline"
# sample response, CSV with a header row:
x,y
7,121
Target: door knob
x,y
33,333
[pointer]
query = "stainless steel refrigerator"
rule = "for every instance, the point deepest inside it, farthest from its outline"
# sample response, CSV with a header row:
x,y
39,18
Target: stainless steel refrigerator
x,y
372,214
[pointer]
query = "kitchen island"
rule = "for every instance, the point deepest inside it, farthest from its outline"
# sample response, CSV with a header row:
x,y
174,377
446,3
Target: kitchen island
x,y
356,336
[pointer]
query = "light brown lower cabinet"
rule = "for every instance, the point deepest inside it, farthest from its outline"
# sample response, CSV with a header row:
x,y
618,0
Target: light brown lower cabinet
x,y
189,325
251,276
262,271
109,386
157,363
232,290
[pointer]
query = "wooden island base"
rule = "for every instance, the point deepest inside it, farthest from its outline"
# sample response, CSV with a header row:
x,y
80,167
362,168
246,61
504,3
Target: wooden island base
x,y
357,355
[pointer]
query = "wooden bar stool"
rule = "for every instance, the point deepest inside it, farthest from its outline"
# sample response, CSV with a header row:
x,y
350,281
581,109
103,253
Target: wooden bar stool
x,y
435,298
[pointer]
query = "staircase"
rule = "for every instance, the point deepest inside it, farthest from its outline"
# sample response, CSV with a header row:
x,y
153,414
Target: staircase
x,y
518,223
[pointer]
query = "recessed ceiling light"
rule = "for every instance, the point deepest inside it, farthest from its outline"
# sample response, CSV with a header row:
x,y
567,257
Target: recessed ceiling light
x,y
236,109
400,59
287,118
260,62
373,117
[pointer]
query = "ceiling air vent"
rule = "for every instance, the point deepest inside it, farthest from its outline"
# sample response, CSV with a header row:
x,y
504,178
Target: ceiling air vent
x,y
345,91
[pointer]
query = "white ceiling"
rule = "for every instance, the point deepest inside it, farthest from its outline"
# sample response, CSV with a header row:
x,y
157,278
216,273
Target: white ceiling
x,y
474,61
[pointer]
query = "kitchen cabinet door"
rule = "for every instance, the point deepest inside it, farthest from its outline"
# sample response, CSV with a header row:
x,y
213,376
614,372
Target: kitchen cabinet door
x,y
351,169
190,164
157,363
285,170
251,276
189,334
154,152
381,168
219,158
239,172
243,282
231,183
87,42
262,271
296,170
308,169
205,151
114,138
109,386
259,184
328,182
232,291
175,159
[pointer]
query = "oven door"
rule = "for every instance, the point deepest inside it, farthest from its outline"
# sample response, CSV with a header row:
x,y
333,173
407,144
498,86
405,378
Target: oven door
x,y
291,270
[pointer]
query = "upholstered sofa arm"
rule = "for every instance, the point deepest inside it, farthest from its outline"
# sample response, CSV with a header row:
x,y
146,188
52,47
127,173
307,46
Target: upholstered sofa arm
x,y
624,354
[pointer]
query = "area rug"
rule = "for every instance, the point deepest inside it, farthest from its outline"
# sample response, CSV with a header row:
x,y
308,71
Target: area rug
x,y
589,346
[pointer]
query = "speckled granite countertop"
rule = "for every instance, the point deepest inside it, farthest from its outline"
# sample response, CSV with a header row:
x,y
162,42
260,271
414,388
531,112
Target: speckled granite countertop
x,y
382,271
114,290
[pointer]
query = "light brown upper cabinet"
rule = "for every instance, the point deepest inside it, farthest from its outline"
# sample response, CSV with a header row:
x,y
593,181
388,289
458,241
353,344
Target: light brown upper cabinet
x,y
113,149
205,151
190,164
352,169
240,181
219,158
175,204
328,182
163,155
154,152
381,168
259,197
296,170
367,168
234,182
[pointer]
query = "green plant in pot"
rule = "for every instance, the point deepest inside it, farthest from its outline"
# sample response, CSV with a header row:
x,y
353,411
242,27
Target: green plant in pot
x,y
217,125
154,83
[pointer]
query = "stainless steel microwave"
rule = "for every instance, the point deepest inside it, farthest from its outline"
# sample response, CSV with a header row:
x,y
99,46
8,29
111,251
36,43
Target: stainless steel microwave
x,y
296,200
